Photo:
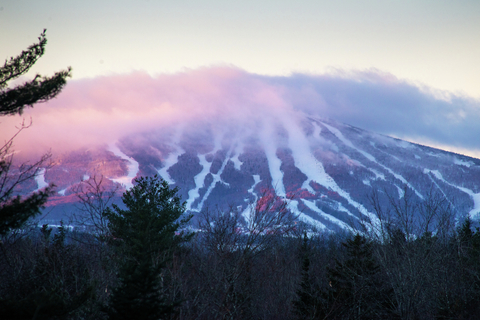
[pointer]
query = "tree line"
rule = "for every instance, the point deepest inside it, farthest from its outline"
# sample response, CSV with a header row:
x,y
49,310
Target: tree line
x,y
149,263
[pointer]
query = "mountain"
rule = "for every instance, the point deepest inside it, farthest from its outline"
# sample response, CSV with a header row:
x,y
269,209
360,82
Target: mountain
x,y
327,169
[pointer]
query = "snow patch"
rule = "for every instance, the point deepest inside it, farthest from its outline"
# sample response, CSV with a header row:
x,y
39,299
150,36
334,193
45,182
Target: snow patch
x,y
401,192
40,179
293,206
246,213
132,166
367,155
171,159
310,166
267,136
216,178
328,217
475,212
199,179
467,164
237,164
378,175
168,162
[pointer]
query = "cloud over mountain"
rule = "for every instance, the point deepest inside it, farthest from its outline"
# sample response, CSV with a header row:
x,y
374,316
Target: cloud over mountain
x,y
104,109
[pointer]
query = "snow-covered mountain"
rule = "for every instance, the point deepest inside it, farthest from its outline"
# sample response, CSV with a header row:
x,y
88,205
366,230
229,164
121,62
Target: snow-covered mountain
x,y
328,169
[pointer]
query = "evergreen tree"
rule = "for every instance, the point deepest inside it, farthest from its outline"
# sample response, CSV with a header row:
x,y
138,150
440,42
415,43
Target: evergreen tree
x,y
355,290
462,302
40,89
15,210
145,233
307,304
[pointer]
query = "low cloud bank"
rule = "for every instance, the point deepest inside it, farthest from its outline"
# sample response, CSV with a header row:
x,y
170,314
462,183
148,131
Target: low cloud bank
x,y
102,110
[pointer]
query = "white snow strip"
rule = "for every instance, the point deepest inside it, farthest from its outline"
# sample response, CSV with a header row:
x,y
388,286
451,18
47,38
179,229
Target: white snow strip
x,y
237,164
267,136
404,144
313,169
200,178
378,175
168,162
132,167
463,163
328,217
293,206
388,154
340,207
256,179
40,179
401,192
216,178
426,171
193,194
304,160
475,196
347,142
62,192
433,154
246,213
367,155
172,158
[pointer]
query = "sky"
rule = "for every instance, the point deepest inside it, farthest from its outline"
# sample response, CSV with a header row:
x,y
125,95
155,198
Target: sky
x,y
407,68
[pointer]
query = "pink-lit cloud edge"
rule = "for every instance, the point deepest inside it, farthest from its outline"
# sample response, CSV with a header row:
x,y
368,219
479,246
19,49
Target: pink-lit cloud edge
x,y
91,112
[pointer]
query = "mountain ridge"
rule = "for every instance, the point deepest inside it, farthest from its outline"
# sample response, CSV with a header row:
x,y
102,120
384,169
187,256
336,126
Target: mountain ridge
x,y
327,169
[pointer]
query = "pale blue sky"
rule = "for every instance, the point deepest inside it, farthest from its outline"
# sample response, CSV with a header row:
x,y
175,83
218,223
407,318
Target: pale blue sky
x,y
430,42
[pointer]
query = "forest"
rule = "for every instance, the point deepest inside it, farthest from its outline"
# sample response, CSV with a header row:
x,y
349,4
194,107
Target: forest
x,y
145,260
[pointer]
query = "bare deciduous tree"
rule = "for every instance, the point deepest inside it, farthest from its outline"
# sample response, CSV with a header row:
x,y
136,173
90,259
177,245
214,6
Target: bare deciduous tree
x,y
93,200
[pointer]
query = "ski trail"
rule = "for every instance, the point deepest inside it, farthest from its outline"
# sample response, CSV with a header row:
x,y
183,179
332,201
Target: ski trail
x,y
328,217
193,194
199,179
132,166
168,162
401,192
216,178
237,164
304,160
367,155
267,137
474,196
293,207
40,180
172,158
467,164
248,210
313,169
427,172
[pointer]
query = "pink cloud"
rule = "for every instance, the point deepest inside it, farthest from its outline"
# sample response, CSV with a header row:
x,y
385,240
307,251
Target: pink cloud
x,y
102,110
99,111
